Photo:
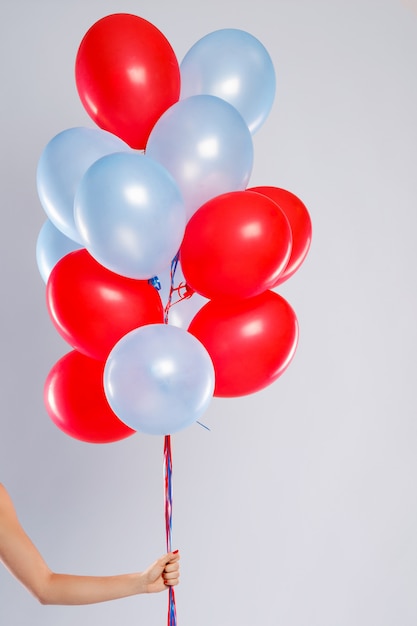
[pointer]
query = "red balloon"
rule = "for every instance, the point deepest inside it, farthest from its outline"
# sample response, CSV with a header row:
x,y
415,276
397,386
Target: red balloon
x,y
92,307
300,222
251,342
127,75
236,245
75,400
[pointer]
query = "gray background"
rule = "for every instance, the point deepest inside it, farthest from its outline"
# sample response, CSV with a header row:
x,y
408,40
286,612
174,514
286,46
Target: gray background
x,y
299,507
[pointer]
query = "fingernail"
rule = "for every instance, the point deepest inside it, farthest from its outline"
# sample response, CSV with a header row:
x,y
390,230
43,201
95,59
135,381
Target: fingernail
x,y
175,552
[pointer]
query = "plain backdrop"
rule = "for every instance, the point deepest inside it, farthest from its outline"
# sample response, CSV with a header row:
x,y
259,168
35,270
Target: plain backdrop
x,y
298,508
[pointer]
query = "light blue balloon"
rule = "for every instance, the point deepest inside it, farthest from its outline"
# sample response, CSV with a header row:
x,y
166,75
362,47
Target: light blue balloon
x,y
205,144
235,66
130,214
51,246
159,379
62,164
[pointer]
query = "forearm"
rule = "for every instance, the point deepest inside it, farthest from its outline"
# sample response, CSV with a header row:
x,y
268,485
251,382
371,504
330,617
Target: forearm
x,y
70,589
25,562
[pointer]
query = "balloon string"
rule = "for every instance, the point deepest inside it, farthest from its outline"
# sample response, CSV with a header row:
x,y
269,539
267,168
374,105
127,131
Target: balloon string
x,y
168,305
187,292
182,290
172,609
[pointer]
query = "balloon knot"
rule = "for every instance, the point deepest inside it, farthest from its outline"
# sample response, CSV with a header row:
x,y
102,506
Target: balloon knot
x,y
155,282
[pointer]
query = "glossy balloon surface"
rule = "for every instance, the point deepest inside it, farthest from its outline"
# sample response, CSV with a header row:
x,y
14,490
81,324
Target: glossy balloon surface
x,y
62,164
159,379
206,145
127,75
235,66
300,223
92,308
130,214
236,245
75,400
251,342
51,246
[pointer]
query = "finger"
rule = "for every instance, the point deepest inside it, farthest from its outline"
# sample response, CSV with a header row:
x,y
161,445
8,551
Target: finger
x,y
173,556
172,567
171,574
164,560
171,582
170,557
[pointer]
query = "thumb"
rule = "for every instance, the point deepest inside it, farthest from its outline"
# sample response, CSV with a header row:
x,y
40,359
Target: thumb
x,y
169,557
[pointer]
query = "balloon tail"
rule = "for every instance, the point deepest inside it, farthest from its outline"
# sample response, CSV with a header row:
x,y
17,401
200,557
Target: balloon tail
x,y
155,282
172,610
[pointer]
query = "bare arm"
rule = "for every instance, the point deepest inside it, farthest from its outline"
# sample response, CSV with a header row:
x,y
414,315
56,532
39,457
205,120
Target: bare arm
x,y
24,561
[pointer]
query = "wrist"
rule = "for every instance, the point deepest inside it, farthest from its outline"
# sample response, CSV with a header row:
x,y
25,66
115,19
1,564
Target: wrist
x,y
140,583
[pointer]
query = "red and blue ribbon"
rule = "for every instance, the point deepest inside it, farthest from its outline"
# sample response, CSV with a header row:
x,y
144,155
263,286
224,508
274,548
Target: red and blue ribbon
x,y
172,610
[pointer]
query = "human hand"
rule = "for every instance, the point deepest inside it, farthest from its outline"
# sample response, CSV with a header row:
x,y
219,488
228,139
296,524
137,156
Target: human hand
x,y
163,573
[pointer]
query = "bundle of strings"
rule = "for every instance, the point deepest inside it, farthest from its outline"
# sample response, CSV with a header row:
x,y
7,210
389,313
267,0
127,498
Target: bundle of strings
x,y
172,610
183,291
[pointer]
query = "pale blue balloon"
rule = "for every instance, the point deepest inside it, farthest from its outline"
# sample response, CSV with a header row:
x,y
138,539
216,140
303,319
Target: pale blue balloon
x,y
159,379
130,214
62,164
51,246
231,64
205,144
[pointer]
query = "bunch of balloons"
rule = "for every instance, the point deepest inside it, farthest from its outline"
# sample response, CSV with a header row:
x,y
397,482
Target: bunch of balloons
x,y
156,191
